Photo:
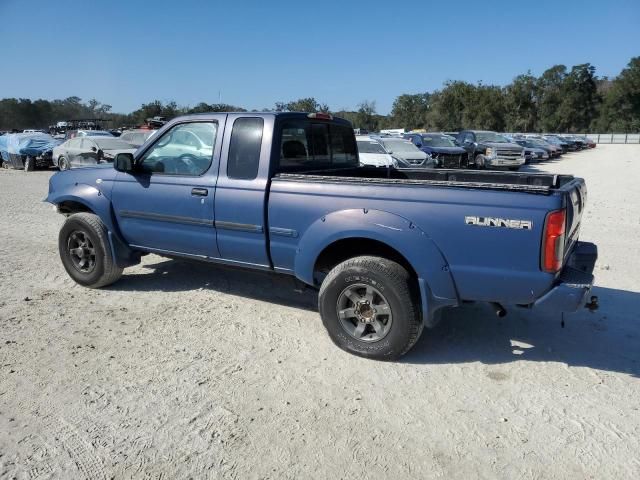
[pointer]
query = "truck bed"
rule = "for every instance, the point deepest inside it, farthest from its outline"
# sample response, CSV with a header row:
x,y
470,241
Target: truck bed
x,y
540,183
490,264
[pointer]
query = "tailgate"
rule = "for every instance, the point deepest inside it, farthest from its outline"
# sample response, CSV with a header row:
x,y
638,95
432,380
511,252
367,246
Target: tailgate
x,y
576,197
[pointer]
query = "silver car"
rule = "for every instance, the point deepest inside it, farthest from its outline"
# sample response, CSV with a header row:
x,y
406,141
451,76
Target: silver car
x,y
405,150
136,137
86,151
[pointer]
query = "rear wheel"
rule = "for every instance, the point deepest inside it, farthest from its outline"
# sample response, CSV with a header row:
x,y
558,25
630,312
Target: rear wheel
x,y
369,306
84,249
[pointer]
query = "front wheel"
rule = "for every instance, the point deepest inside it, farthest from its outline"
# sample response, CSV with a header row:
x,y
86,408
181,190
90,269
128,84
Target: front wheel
x,y
480,162
63,163
84,249
370,307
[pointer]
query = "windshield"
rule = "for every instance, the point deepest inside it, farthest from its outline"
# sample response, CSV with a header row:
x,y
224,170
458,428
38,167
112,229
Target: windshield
x,y
107,143
491,137
365,146
438,141
400,146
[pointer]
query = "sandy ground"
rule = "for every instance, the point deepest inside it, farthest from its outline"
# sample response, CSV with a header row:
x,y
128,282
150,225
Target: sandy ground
x,y
193,371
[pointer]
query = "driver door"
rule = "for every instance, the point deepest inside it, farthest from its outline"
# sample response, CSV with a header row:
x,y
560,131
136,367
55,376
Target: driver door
x,y
167,204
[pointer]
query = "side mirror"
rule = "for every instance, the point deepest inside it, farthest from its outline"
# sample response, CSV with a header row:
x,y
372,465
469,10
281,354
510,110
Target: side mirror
x,y
124,162
94,149
419,145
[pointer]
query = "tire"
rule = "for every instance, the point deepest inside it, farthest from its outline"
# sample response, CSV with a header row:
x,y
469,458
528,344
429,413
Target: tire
x,y
389,288
29,164
86,232
63,163
479,162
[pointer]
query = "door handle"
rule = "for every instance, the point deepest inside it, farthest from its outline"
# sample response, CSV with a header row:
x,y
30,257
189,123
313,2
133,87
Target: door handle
x,y
199,192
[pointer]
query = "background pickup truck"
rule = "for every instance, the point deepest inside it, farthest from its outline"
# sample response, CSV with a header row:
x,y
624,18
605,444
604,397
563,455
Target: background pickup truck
x,y
491,150
388,249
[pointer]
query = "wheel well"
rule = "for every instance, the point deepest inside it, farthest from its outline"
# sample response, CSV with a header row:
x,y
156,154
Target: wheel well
x,y
70,207
347,248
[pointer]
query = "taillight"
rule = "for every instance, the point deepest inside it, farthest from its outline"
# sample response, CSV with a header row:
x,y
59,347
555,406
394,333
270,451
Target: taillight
x,y
553,241
320,116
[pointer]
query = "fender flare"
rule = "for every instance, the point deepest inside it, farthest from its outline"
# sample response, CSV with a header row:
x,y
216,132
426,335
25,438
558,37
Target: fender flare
x,y
437,287
95,201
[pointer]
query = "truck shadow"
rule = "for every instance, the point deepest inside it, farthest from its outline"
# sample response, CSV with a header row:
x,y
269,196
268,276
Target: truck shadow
x,y
184,275
607,339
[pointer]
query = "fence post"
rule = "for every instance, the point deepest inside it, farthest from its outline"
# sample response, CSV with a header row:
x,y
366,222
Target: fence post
x,y
611,138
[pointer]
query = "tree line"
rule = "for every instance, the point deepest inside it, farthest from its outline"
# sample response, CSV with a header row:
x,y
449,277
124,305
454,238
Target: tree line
x,y
561,99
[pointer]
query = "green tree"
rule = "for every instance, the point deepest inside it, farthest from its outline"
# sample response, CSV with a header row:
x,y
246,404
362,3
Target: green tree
x,y
411,110
366,116
549,87
309,104
620,111
450,106
520,102
580,99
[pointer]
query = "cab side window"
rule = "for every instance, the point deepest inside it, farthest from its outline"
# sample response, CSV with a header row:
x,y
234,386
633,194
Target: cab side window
x,y
243,159
186,149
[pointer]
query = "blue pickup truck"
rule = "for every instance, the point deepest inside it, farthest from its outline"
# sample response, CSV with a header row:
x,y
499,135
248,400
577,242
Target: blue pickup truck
x,y
388,249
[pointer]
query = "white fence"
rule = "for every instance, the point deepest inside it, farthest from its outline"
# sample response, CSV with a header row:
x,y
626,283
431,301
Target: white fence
x,y
613,137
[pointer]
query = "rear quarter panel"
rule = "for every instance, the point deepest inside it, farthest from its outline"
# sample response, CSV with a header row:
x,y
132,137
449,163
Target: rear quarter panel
x,y
472,262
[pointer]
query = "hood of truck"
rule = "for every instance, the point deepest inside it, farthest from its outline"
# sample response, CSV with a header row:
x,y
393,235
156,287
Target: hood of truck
x,y
503,146
98,177
447,150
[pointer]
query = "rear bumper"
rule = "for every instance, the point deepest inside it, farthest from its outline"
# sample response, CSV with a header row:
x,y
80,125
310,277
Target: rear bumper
x,y
574,283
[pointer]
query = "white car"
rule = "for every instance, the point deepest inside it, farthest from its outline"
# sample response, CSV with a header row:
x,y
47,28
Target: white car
x,y
371,152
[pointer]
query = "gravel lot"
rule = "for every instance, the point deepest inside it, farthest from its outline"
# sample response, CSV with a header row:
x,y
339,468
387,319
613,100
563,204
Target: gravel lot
x,y
185,370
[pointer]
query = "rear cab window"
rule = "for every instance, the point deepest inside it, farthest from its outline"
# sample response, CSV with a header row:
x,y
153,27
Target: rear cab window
x,y
307,145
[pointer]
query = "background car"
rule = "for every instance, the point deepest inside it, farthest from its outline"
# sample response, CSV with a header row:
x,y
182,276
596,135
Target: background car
x,y
532,152
554,151
88,150
402,149
557,141
488,149
441,148
372,153
136,137
85,133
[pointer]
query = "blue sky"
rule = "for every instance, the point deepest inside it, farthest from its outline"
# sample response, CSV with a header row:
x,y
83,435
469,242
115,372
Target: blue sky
x,y
254,53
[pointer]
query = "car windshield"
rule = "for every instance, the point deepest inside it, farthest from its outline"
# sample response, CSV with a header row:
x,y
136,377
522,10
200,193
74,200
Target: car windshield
x,y
491,137
370,146
400,146
106,143
438,141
